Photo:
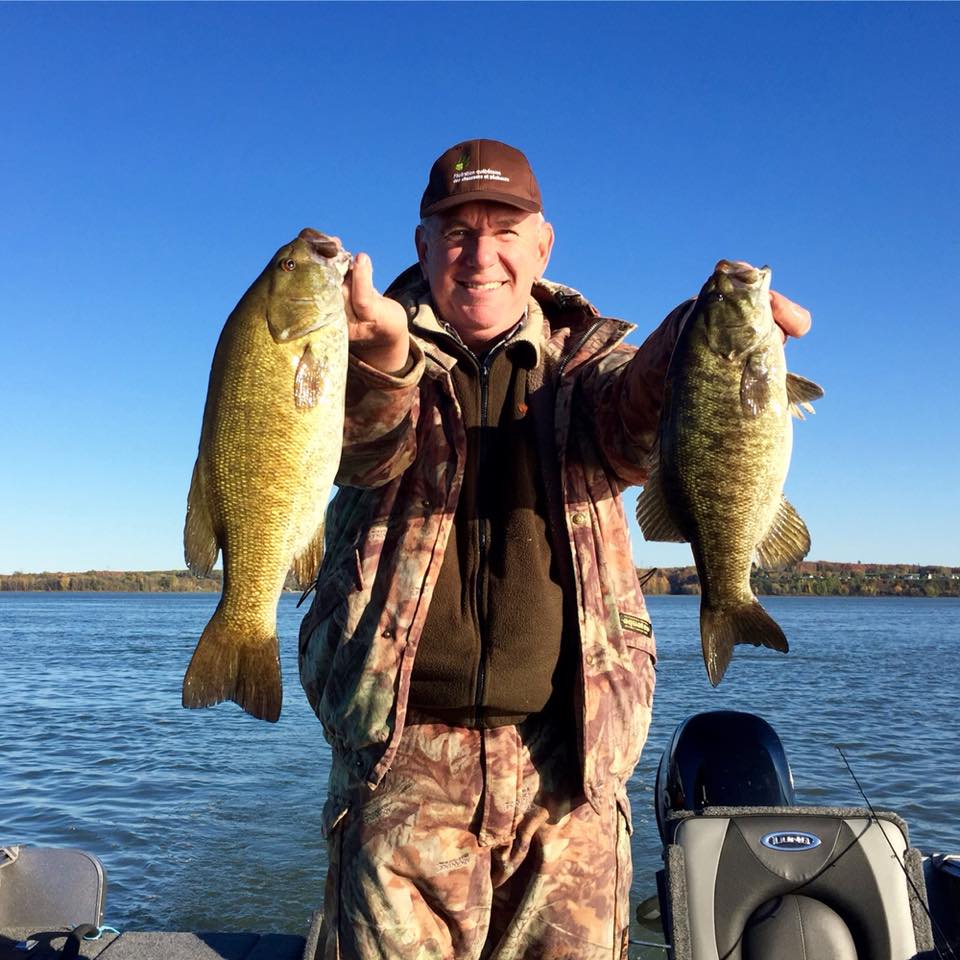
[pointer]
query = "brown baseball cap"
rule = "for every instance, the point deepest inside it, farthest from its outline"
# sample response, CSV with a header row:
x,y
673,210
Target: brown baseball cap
x,y
481,170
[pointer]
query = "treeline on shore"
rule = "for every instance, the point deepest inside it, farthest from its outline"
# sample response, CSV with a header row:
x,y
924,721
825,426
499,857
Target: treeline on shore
x,y
115,581
822,578
811,578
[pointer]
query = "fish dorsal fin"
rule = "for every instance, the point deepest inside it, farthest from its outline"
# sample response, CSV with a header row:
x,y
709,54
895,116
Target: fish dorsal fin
x,y
200,547
653,514
308,380
307,562
787,541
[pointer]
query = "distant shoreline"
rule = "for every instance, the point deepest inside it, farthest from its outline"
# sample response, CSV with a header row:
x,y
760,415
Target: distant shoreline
x,y
822,578
818,578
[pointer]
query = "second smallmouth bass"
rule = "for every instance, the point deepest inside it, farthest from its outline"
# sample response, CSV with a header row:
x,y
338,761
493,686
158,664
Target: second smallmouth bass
x,y
724,448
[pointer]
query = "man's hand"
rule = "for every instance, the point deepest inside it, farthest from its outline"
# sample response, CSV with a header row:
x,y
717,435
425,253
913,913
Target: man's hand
x,y
377,325
792,319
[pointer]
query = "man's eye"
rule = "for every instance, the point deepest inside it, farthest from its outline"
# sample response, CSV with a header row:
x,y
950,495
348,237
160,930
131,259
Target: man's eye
x,y
455,234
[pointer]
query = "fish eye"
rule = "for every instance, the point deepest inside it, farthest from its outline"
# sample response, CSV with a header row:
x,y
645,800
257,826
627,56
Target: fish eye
x,y
288,264
714,296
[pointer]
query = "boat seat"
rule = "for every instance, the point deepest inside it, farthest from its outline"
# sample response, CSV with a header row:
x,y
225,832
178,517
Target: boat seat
x,y
49,888
793,883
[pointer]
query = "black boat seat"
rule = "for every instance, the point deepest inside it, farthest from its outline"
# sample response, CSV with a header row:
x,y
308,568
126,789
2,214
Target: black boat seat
x,y
793,883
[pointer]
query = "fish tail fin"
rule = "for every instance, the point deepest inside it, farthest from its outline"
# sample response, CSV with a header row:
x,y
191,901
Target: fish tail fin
x,y
243,669
723,627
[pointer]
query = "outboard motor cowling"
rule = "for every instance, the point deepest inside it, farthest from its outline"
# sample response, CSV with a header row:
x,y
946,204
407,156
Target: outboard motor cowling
x,y
719,759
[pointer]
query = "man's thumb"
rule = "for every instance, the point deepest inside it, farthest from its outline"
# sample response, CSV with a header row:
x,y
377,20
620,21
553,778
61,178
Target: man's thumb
x,y
361,286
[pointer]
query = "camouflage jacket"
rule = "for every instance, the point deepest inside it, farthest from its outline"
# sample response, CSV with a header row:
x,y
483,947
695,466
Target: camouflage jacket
x,y
598,401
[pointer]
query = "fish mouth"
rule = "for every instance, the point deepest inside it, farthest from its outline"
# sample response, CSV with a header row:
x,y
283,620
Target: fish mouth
x,y
326,250
742,274
320,243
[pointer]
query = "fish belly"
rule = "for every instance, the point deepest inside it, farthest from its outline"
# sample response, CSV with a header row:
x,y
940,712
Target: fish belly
x,y
272,467
727,471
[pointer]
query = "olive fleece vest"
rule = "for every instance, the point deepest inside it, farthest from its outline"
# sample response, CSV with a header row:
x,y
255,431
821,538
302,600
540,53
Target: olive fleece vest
x,y
490,652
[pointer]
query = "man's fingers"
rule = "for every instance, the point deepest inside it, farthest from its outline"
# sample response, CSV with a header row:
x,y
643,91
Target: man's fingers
x,y
354,288
792,319
362,294
361,300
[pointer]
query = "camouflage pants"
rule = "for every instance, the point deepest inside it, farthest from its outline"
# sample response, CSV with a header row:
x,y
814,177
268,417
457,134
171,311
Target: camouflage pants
x,y
478,844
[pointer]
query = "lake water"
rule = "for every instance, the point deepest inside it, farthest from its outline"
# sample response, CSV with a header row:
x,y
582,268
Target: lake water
x,y
210,820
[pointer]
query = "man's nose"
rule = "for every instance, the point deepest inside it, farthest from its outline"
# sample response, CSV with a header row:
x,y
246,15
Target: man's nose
x,y
482,250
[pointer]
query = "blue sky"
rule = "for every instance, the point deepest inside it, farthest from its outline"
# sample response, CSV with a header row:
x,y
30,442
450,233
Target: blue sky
x,y
154,157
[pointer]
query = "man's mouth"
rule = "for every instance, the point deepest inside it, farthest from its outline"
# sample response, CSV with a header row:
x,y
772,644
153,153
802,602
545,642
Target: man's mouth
x,y
488,285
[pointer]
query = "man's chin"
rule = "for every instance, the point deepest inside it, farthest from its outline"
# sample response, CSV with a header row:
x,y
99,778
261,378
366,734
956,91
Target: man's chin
x,y
482,326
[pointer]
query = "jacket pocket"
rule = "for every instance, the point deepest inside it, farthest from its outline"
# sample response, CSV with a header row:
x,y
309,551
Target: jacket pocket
x,y
637,632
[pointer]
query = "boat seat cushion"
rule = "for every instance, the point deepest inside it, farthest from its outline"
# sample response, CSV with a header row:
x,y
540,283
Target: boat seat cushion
x,y
731,870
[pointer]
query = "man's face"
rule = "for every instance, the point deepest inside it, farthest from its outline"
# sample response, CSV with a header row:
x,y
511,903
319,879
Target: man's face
x,y
481,259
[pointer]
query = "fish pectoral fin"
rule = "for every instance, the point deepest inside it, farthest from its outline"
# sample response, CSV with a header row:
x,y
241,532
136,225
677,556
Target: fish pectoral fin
x,y
653,514
802,391
227,666
754,389
787,541
308,380
307,562
721,628
200,547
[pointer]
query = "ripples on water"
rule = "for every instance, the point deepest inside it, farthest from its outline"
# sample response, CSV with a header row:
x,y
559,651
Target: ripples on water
x,y
209,819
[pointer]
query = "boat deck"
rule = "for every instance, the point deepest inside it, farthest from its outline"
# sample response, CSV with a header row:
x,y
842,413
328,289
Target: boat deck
x,y
136,945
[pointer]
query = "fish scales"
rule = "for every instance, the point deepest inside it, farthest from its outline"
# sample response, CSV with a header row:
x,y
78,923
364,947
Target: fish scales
x,y
269,449
724,448
725,506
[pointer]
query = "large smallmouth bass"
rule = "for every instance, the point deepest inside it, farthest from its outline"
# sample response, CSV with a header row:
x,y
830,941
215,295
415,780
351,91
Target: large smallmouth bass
x,y
724,448
269,449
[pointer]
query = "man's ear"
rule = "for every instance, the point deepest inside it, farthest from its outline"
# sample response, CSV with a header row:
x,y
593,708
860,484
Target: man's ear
x,y
420,242
544,247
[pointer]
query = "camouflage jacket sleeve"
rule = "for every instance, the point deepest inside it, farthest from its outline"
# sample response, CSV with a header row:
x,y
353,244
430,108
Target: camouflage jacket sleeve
x,y
621,396
379,432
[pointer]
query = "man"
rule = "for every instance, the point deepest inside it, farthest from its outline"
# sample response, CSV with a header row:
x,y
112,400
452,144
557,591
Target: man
x,y
478,649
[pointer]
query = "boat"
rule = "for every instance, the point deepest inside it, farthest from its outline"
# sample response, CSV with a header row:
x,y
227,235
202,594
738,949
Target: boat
x,y
748,874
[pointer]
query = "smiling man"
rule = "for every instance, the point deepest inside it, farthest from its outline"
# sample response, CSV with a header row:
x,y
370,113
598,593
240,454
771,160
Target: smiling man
x,y
478,648
483,258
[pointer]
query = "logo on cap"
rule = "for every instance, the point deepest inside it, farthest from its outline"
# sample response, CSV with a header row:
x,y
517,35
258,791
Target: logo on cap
x,y
480,170
789,841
